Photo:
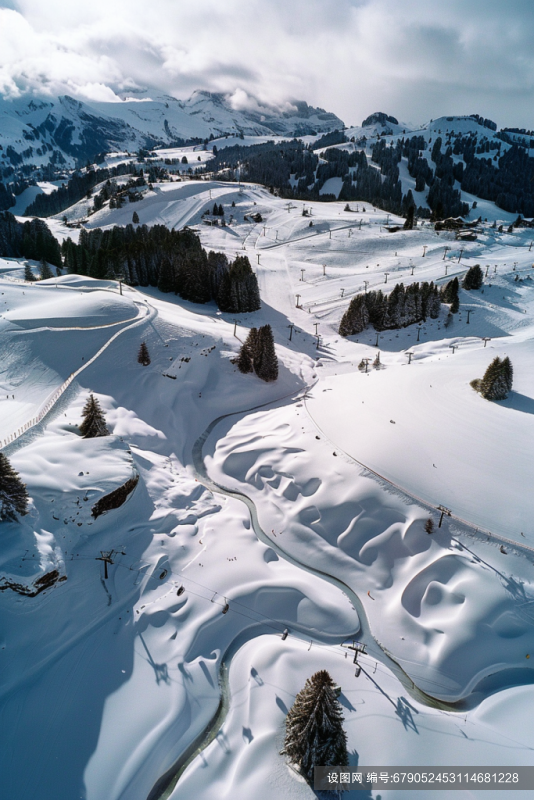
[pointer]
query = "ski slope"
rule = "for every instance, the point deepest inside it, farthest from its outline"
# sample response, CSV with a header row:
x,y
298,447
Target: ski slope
x,y
299,503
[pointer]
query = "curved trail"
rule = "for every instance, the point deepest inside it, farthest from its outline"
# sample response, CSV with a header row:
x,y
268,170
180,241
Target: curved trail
x,y
165,785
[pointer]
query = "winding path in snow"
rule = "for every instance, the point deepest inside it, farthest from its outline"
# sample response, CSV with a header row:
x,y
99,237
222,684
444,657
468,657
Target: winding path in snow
x,y
165,785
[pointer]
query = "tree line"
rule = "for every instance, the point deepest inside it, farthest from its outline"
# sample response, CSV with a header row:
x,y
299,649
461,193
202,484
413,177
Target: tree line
x,y
402,307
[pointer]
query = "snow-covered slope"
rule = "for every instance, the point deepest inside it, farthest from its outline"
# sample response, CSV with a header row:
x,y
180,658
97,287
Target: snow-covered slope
x,y
31,130
301,503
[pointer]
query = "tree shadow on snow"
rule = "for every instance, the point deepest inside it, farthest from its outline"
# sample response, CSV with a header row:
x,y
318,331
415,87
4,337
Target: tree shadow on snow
x,y
519,402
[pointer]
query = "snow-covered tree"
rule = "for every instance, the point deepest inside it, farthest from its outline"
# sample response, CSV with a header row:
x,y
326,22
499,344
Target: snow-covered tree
x,y
314,727
143,356
13,494
94,422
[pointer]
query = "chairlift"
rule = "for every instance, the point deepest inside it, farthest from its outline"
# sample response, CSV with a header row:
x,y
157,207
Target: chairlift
x,y
181,590
355,659
285,634
226,608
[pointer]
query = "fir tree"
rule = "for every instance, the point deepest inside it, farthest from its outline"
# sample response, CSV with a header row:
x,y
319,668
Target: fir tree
x,y
429,525
13,494
94,422
135,218
143,356
408,224
449,294
266,362
28,274
244,361
314,727
497,380
473,278
44,270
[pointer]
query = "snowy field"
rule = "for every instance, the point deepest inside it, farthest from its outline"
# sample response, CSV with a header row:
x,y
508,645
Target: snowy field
x,y
300,503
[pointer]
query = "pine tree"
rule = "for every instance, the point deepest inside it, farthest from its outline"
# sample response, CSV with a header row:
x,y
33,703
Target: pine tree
x,y
377,363
244,362
314,727
497,380
28,274
266,362
44,270
94,422
408,225
135,218
143,356
13,494
429,525
473,278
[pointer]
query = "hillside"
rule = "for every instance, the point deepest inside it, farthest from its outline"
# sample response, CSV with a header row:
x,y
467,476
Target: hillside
x,y
300,503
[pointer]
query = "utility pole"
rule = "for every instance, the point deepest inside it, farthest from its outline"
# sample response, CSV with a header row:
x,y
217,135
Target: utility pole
x,y
377,335
386,274
291,326
446,268
258,255
298,298
236,322
419,332
342,292
495,269
107,557
412,268
469,311
425,248
486,339
447,248
316,326
318,341
302,274
444,511
324,269
330,232
460,256
120,279
357,649
409,357
454,347
487,268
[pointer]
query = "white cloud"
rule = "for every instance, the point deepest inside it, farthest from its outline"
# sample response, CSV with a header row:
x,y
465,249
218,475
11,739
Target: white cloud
x,y
416,59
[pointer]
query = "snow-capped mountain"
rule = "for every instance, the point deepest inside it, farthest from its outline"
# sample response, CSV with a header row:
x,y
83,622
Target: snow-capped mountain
x,y
39,131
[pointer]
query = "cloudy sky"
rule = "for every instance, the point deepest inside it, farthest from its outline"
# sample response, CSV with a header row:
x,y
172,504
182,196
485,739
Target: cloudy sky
x,y
415,59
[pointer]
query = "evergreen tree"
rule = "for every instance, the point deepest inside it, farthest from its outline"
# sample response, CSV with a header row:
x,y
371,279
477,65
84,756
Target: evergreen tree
x,y
408,225
28,274
44,270
143,356
244,362
314,727
429,525
473,278
449,294
13,494
497,380
94,422
266,362
135,218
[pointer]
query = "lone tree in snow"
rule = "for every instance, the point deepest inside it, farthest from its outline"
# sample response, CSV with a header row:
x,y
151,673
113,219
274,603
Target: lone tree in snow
x,y
135,218
143,356
28,274
429,525
473,278
94,422
314,727
258,354
44,270
13,494
497,380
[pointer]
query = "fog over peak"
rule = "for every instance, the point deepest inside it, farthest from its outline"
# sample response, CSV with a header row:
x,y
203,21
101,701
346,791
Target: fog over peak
x,y
415,60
